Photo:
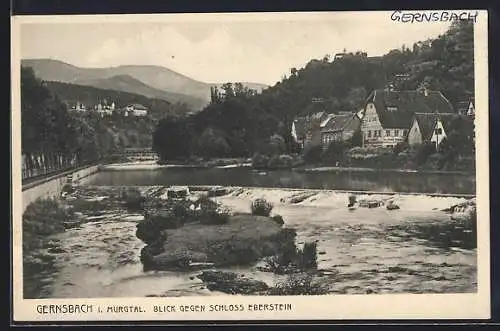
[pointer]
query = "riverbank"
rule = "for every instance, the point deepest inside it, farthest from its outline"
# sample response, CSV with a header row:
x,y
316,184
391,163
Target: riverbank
x,y
153,165
361,169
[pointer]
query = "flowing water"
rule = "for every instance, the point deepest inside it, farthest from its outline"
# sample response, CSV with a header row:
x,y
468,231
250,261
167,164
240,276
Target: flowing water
x,y
414,249
330,180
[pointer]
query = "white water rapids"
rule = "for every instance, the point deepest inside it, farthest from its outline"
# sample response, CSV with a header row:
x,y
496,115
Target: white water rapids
x,y
398,251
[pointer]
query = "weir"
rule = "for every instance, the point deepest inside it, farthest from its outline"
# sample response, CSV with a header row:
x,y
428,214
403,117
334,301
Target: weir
x,y
52,187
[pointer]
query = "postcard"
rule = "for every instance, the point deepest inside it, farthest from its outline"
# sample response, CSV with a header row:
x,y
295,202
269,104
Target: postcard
x,y
250,166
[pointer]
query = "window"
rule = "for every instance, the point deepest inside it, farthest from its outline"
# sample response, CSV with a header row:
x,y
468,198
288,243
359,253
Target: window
x,y
438,131
369,133
387,133
404,132
380,133
396,133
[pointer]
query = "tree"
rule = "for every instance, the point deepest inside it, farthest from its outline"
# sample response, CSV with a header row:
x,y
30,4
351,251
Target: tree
x,y
212,143
424,152
312,153
356,97
248,120
356,139
335,152
228,90
46,126
277,144
172,138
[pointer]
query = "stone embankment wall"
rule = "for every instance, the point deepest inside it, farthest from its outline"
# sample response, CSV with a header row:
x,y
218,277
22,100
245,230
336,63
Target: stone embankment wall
x,y
52,186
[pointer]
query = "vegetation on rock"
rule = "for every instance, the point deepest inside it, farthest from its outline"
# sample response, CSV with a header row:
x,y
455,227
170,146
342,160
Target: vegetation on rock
x,y
261,207
292,259
299,284
231,283
180,232
42,218
133,198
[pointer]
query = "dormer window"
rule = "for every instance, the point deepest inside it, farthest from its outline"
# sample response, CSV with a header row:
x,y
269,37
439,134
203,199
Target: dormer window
x,y
392,108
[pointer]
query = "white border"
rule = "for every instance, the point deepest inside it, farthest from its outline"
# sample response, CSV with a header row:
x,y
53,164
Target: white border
x,y
393,306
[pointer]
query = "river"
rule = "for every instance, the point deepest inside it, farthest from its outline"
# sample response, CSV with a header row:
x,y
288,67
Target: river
x,y
415,249
331,180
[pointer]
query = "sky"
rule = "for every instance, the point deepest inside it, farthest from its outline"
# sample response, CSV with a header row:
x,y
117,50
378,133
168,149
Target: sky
x,y
258,48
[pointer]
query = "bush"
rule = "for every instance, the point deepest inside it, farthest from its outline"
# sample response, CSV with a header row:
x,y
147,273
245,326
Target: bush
x,y
215,217
278,219
424,151
210,212
260,161
68,188
42,218
307,256
45,217
261,207
280,162
400,147
298,284
291,259
133,198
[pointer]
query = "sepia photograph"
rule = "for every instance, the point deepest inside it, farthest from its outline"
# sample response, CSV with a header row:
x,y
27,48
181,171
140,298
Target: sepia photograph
x,y
242,163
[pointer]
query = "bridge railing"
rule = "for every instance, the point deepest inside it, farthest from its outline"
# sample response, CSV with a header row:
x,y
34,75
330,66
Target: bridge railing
x,y
36,167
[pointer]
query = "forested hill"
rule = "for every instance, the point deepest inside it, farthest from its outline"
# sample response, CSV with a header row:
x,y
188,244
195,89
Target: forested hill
x,y
244,120
88,95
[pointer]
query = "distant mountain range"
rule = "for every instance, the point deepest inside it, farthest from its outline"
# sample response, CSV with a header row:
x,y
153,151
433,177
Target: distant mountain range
x,y
147,80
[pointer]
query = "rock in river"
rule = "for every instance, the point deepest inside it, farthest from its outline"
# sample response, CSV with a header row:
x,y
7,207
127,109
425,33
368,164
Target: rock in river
x,y
232,283
243,240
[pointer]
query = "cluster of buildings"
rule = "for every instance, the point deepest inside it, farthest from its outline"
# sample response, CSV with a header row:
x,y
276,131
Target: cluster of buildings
x,y
106,109
387,118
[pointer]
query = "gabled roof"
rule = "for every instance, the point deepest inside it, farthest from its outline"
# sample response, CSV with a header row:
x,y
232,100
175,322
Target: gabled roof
x,y
336,122
300,127
318,116
462,107
427,122
328,118
406,104
304,125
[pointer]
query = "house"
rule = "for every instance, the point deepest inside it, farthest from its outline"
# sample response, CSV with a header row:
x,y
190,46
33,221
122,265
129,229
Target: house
x,y
466,107
136,110
388,114
104,111
431,127
340,127
307,130
79,107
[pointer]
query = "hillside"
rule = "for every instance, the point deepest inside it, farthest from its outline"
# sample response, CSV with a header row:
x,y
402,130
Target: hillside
x,y
89,95
49,129
129,84
179,87
253,86
241,123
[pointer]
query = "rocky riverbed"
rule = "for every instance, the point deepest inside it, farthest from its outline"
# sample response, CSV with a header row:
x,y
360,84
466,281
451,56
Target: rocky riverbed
x,y
417,248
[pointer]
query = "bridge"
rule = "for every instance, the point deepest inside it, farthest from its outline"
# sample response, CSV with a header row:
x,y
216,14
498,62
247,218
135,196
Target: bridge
x,y
137,154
